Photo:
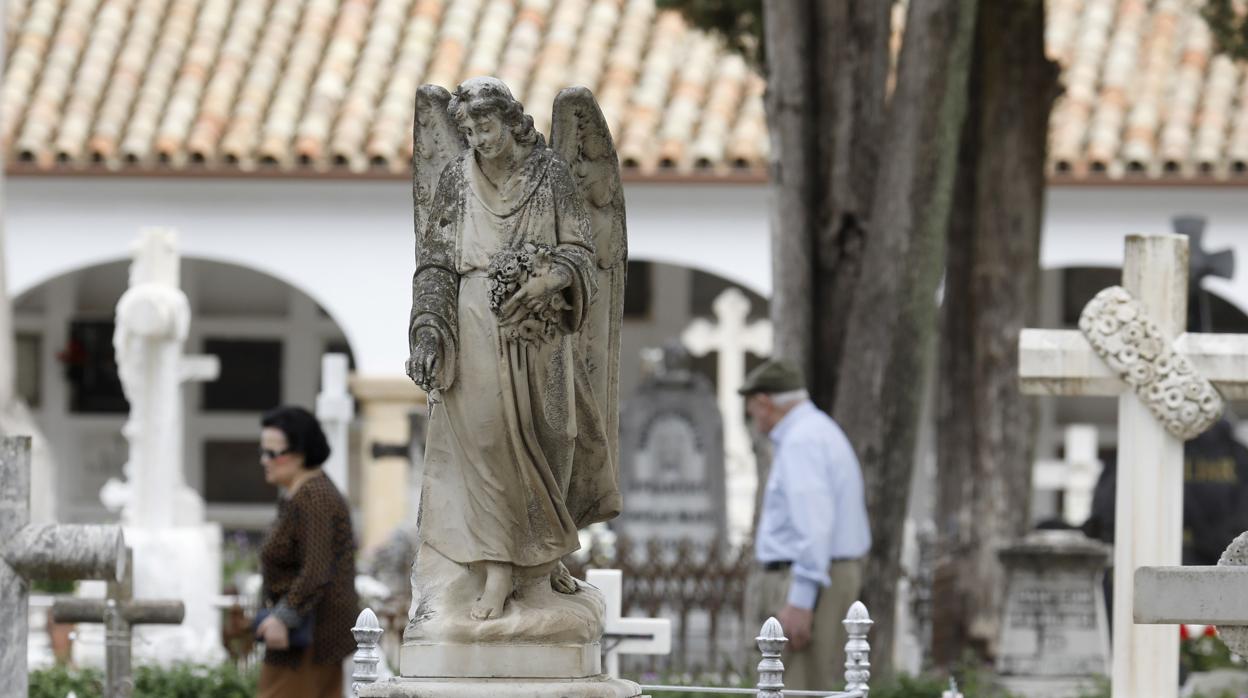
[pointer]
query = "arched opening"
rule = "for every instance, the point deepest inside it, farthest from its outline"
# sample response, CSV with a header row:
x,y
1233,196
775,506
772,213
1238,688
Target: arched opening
x,y
268,336
661,299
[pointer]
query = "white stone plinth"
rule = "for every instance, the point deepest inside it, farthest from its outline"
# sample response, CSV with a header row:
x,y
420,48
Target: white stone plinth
x,y
536,661
598,687
179,564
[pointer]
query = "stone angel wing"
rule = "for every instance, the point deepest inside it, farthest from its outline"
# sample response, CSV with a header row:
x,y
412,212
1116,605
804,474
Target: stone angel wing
x,y
579,134
436,141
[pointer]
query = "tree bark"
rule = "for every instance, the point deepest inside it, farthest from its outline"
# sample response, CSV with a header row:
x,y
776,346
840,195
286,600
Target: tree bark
x,y
791,119
853,54
985,425
893,317
827,70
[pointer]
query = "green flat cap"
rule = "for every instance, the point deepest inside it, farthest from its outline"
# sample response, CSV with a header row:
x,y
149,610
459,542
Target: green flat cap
x,y
773,376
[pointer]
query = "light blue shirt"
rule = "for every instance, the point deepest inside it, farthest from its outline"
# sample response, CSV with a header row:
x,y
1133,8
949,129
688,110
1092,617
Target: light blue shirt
x,y
814,510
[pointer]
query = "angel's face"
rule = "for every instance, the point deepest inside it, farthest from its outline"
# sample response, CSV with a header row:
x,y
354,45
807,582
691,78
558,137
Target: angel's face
x,y
487,135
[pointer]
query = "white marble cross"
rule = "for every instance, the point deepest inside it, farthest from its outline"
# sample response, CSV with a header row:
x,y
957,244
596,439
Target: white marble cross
x,y
731,338
335,408
627,635
153,319
1149,502
1075,476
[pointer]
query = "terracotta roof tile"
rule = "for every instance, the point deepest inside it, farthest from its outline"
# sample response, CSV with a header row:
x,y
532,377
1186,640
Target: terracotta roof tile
x,y
1238,150
197,64
122,87
158,80
329,85
367,84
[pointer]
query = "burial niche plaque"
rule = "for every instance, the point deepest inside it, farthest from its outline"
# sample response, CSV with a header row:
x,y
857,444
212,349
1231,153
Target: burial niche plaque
x,y
1055,633
671,454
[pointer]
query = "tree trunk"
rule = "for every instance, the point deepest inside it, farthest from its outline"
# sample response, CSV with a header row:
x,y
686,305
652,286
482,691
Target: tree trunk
x,y
893,317
827,69
791,120
985,424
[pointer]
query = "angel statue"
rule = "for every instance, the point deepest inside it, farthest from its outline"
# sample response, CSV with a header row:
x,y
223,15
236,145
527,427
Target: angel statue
x,y
514,335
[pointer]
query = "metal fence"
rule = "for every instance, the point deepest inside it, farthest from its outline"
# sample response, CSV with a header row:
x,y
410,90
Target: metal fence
x,y
699,587
771,641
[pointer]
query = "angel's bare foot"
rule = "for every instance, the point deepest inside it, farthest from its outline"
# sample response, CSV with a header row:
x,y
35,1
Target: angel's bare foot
x,y
561,580
497,588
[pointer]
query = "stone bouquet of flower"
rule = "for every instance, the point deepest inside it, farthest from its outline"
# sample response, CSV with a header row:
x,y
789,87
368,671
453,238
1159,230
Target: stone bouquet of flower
x,y
508,272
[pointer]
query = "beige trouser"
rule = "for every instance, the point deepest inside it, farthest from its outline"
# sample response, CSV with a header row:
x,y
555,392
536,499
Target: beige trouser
x,y
821,665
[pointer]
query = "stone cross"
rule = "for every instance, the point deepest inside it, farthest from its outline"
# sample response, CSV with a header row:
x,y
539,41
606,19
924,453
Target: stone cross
x,y
627,635
1202,265
335,408
1075,476
731,338
119,612
30,552
1209,595
177,553
153,318
1149,503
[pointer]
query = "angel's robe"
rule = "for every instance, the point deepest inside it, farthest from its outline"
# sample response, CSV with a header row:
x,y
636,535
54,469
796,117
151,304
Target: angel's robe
x,y
517,458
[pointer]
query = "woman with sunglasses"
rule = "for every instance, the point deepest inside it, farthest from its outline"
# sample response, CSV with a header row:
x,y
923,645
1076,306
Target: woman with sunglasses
x,y
308,564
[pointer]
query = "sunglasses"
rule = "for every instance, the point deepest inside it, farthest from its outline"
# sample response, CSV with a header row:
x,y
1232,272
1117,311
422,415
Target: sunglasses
x,y
270,454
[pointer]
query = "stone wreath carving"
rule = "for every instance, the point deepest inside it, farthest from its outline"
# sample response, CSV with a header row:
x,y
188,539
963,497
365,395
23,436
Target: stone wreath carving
x,y
1136,349
1235,636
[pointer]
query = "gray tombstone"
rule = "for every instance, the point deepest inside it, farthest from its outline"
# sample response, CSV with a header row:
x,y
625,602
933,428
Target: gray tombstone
x,y
672,457
1054,638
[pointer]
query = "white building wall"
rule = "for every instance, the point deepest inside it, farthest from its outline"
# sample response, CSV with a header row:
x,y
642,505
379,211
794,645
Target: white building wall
x,y
347,244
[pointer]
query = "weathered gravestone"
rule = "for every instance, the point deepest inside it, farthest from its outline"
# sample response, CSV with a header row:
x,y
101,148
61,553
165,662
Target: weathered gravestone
x,y
1131,344
31,552
1054,633
672,457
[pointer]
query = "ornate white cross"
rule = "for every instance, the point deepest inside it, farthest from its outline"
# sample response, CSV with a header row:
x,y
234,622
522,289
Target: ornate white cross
x,y
335,409
1075,476
627,635
731,338
1149,503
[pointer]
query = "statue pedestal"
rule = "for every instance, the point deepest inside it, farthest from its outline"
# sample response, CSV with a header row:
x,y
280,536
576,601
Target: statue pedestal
x,y
545,644
481,661
596,687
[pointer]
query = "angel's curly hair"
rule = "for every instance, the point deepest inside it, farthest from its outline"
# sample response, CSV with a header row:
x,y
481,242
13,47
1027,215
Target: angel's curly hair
x,y
492,97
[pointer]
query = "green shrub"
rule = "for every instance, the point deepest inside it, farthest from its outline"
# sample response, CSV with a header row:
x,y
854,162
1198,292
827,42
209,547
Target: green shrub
x,y
58,681
181,681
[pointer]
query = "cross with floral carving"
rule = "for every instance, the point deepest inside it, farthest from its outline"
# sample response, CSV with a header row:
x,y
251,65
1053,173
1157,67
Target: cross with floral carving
x,y
1132,344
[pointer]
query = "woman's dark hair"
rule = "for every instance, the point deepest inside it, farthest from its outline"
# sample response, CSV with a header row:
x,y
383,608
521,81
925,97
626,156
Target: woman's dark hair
x,y
303,433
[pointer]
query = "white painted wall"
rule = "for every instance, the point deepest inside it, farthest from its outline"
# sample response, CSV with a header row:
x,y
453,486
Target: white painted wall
x,y
347,244
1085,226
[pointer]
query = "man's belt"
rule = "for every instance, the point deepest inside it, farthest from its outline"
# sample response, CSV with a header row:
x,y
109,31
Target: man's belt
x,y
781,565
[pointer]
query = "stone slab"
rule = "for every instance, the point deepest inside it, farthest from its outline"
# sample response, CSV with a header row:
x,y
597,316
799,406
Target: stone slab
x,y
1049,687
1208,595
598,687
535,661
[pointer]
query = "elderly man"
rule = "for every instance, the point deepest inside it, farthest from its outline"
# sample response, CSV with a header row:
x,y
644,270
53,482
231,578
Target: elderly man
x,y
813,530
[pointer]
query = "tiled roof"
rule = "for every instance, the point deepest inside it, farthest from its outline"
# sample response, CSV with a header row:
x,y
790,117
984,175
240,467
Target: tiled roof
x,y
293,86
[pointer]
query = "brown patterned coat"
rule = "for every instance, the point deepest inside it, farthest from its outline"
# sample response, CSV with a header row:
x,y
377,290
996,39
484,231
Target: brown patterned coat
x,y
308,564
